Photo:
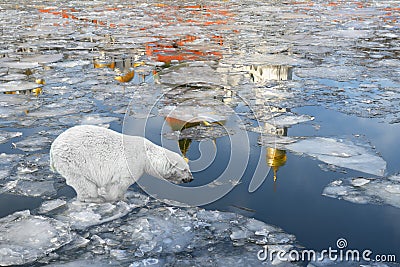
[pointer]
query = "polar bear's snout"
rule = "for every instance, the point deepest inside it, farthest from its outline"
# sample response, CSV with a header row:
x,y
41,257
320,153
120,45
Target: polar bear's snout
x,y
188,178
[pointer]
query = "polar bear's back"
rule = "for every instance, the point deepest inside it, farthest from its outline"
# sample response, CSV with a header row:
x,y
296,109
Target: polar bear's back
x,y
89,152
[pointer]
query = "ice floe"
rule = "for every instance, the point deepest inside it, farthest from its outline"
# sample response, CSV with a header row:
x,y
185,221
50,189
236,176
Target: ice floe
x,y
5,136
366,190
43,59
136,232
18,86
24,238
177,233
82,215
288,119
94,119
342,153
34,143
191,73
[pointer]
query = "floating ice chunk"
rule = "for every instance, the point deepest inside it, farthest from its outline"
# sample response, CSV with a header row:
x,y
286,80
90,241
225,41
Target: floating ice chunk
x,y
43,189
18,86
51,205
341,153
13,77
9,159
393,188
287,120
24,238
349,33
19,65
191,73
88,120
218,238
146,262
359,181
71,64
208,112
337,73
6,136
239,234
98,120
82,215
4,174
34,143
43,59
271,140
362,191
83,263
272,59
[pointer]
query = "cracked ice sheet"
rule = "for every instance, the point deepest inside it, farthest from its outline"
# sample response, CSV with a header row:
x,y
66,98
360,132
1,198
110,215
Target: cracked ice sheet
x,y
24,238
82,215
7,163
33,188
34,143
169,236
95,119
5,136
342,153
289,119
366,190
190,73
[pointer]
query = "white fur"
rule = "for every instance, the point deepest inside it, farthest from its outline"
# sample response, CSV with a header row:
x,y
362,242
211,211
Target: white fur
x,y
95,163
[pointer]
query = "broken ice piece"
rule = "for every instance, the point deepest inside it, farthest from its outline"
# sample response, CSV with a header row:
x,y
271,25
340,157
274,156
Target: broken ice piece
x,y
365,190
82,215
287,120
359,181
43,59
34,143
43,189
24,238
18,86
341,153
97,120
51,205
6,136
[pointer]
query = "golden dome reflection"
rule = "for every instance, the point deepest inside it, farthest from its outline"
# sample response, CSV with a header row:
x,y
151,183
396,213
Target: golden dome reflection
x,y
276,158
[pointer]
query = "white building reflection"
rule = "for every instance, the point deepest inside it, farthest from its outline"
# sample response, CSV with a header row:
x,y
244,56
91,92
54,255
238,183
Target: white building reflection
x,y
261,74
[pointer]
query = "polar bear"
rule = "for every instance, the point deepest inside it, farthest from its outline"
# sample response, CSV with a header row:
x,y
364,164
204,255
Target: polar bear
x,y
94,161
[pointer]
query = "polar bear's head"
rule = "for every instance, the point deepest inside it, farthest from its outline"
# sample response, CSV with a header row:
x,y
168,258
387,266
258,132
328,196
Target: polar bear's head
x,y
165,164
177,170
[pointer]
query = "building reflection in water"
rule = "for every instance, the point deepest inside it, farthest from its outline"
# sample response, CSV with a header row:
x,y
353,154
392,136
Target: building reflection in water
x,y
126,69
260,74
275,157
180,125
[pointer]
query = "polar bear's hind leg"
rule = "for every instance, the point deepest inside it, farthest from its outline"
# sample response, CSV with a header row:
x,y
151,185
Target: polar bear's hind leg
x,y
86,190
